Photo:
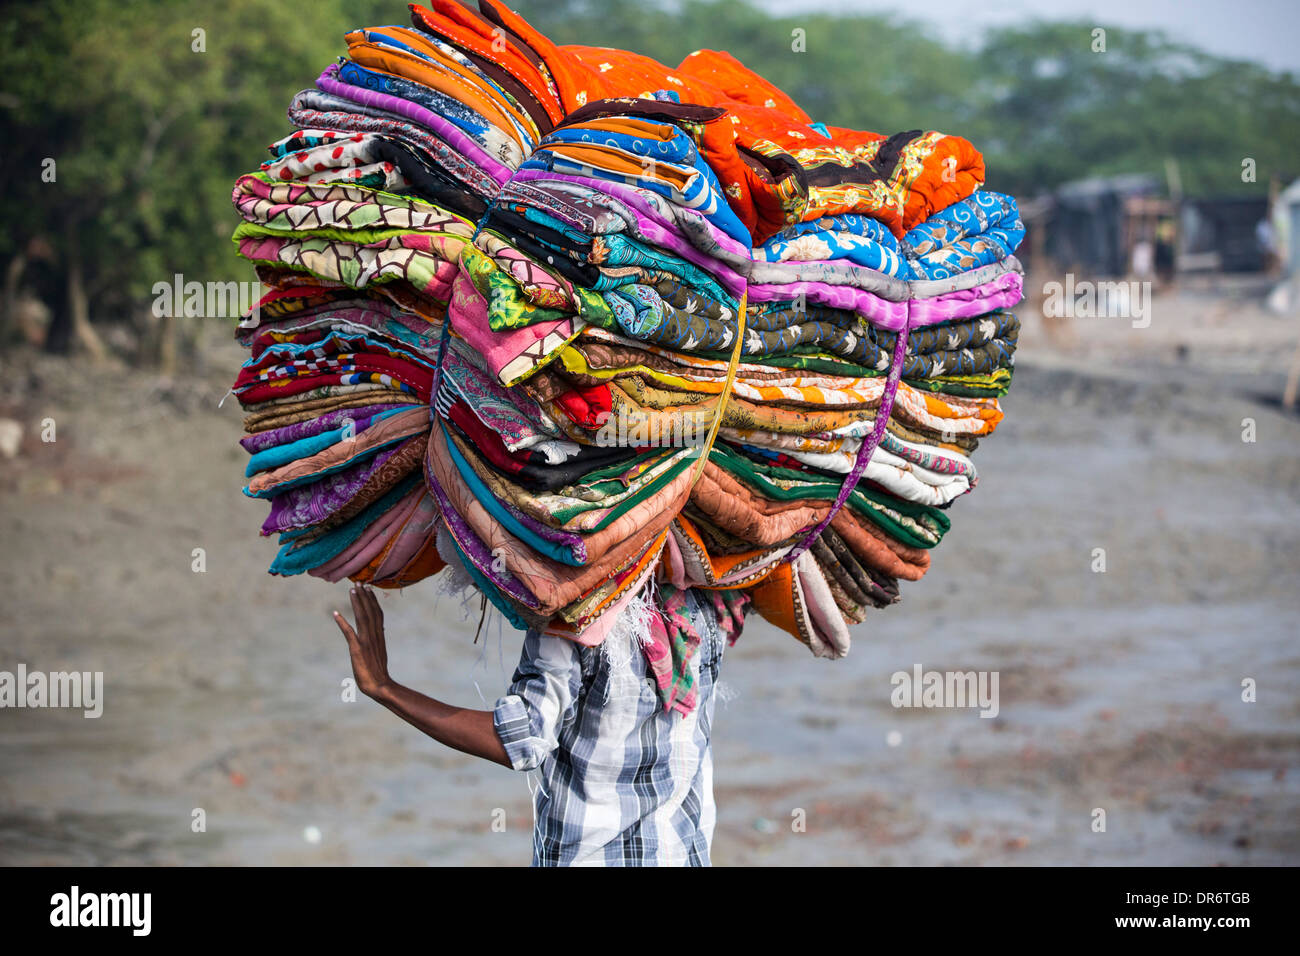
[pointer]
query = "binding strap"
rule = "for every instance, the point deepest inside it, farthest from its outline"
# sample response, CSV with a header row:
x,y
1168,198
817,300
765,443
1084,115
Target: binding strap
x,y
727,385
867,449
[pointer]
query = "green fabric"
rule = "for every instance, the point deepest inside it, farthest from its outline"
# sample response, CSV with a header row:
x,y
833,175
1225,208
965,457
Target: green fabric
x,y
613,487
909,522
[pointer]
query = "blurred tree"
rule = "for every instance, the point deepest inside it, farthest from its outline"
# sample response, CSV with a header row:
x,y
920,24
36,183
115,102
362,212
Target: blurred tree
x,y
125,126
1055,110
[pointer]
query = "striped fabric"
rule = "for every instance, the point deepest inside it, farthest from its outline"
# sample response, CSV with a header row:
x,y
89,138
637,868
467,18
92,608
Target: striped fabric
x,y
622,782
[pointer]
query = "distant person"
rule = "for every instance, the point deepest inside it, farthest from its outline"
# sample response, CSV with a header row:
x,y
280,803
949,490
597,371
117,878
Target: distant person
x,y
624,782
1166,251
1144,259
1266,239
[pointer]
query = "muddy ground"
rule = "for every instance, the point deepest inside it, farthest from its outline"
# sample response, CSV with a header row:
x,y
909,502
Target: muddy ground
x,y
1120,690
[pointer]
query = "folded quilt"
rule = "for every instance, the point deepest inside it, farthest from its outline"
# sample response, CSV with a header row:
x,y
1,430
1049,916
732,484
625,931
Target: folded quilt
x,y
594,331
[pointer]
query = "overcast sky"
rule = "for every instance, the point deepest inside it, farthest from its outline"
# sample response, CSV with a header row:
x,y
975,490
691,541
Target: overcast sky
x,y
1267,31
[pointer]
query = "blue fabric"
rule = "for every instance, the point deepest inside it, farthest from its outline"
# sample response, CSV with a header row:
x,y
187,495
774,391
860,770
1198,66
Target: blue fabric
x,y
859,239
455,112
533,214
637,308
327,547
332,469
679,150
278,455
983,228
703,192
625,251
369,344
551,549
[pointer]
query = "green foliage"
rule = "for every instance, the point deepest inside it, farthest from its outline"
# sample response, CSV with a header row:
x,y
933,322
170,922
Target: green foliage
x,y
1060,111
148,134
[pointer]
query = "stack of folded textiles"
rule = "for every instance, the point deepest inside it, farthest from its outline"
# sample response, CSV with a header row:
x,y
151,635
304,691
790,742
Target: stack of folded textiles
x,y
651,329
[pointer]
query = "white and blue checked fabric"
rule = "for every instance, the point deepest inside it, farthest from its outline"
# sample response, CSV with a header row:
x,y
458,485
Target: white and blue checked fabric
x,y
622,781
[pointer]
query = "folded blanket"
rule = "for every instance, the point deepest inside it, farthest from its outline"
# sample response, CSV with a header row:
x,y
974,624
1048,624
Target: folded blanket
x,y
594,329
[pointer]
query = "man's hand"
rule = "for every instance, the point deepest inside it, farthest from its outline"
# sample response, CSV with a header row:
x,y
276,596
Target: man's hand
x,y
366,643
469,731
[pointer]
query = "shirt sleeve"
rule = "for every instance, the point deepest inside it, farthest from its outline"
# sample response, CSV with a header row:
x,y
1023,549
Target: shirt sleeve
x,y
541,698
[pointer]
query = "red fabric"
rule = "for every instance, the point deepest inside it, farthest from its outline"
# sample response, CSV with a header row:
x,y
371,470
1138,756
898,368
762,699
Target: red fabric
x,y
486,442
587,407
418,378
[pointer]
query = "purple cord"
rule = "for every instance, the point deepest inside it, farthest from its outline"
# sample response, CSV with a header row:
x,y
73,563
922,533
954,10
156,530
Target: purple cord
x,y
866,451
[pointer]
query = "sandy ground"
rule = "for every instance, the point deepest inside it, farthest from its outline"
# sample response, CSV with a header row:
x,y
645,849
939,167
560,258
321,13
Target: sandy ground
x,y
1120,691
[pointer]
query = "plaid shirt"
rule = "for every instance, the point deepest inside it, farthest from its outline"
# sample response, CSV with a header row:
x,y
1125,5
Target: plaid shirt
x,y
623,782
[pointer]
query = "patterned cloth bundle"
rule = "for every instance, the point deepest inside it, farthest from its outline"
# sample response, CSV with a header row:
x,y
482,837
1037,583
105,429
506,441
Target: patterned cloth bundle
x,y
595,331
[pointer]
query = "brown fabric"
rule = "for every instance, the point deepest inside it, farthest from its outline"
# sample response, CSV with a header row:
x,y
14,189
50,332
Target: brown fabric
x,y
522,94
559,584
270,415
734,507
406,459
878,589
402,425
853,611
877,550
848,596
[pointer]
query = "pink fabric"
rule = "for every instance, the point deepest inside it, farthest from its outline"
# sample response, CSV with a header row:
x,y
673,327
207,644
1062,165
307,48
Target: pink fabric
x,y
658,652
469,319
635,199
372,541
1002,292
415,531
446,131
596,632
673,565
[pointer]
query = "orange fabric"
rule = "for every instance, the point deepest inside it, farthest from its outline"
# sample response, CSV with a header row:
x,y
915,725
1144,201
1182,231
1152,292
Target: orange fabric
x,y
625,577
459,85
457,26
426,563
877,550
767,121
930,192
774,167
624,164
739,83
990,414
762,183
633,126
721,565
774,599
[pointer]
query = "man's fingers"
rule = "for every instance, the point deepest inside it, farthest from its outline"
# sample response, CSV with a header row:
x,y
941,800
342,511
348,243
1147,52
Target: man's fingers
x,y
363,612
359,609
345,627
374,614
372,611
380,642
379,608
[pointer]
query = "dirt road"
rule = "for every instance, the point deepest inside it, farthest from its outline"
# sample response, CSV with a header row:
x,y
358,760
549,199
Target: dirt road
x,y
1120,690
